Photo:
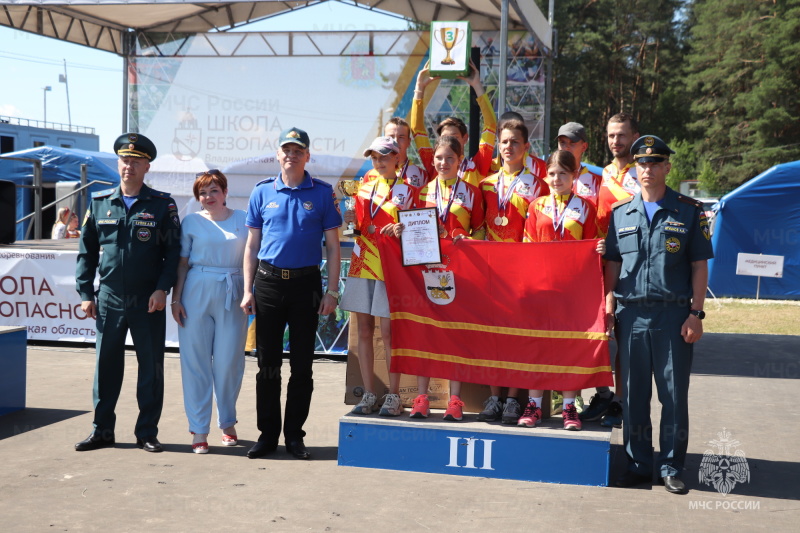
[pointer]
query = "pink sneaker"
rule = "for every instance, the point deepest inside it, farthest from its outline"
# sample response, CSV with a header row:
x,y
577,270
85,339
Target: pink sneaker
x,y
454,412
571,420
531,416
421,407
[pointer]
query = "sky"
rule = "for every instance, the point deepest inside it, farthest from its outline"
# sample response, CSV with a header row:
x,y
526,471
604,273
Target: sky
x,y
30,62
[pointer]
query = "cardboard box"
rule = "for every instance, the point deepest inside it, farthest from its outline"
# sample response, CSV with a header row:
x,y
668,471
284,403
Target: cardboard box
x,y
451,43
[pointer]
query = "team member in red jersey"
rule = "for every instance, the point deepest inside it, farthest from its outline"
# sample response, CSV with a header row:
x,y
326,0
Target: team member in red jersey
x,y
507,193
619,182
560,216
534,164
619,178
459,206
477,167
377,204
572,138
399,130
506,196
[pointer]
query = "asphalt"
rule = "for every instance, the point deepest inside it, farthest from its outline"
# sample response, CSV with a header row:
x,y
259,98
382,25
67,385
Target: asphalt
x,y
743,384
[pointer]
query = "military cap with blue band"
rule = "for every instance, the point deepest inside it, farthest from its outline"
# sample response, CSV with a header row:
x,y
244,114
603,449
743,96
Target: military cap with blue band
x,y
135,145
650,149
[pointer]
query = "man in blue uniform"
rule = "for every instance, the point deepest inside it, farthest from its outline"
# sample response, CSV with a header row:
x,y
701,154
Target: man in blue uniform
x,y
287,218
656,277
138,231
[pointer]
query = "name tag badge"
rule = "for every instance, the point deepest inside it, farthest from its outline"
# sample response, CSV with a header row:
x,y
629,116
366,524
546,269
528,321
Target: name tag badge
x,y
145,223
107,221
627,229
676,229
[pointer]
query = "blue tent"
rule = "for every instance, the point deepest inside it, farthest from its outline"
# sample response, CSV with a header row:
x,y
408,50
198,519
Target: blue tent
x,y
58,164
760,217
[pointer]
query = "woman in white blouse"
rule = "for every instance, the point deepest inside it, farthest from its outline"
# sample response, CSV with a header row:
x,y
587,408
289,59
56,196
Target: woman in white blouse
x,y
212,329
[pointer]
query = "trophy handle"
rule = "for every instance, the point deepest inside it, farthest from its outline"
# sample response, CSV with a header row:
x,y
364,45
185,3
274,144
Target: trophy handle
x,y
437,37
460,33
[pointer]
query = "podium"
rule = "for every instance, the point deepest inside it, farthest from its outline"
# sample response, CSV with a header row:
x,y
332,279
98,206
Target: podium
x,y
547,453
13,360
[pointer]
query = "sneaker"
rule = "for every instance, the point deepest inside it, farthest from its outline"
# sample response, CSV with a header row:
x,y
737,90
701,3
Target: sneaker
x,y
366,405
492,410
421,407
531,416
579,403
613,418
556,402
511,412
454,412
571,420
392,406
597,408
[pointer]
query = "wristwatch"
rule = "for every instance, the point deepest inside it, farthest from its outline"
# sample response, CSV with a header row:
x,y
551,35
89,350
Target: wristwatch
x,y
699,314
335,294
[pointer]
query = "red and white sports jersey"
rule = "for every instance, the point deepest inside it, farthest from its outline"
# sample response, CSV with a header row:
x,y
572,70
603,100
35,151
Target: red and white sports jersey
x,y
536,165
587,185
478,167
560,217
527,188
415,176
377,204
617,185
465,211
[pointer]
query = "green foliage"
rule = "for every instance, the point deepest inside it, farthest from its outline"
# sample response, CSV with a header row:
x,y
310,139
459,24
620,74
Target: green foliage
x,y
709,180
744,78
614,56
684,163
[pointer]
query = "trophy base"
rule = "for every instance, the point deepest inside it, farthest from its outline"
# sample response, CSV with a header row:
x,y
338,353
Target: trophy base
x,y
446,62
351,233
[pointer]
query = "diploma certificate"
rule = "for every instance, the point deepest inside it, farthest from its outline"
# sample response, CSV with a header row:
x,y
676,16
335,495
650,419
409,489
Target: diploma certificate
x,y
419,241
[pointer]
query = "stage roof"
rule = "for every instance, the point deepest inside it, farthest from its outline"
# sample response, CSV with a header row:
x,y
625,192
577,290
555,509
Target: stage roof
x,y
102,24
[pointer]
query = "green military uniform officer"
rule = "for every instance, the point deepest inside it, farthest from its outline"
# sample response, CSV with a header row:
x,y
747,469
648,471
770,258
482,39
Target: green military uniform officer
x,y
138,231
656,277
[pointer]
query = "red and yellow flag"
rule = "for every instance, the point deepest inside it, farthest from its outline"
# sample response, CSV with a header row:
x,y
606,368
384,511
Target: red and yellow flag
x,y
507,314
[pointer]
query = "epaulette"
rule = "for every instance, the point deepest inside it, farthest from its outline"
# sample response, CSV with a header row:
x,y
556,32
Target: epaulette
x,y
160,194
268,180
320,182
690,201
621,202
104,193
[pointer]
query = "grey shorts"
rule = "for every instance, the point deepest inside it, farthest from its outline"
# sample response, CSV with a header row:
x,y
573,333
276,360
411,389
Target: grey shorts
x,y
366,296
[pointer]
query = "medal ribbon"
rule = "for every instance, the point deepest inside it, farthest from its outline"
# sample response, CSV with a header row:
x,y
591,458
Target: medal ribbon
x,y
443,211
503,194
558,221
373,207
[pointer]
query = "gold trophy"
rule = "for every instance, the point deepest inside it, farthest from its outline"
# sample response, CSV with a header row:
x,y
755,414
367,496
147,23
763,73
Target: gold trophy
x,y
349,189
448,37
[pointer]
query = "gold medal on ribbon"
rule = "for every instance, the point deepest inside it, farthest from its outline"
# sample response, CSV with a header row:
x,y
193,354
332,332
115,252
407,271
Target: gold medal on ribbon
x,y
505,221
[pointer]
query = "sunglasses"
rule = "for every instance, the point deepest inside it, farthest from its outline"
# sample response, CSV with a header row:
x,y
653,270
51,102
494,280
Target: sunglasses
x,y
210,172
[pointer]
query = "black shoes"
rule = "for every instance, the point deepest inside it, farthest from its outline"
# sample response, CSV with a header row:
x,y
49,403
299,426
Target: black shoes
x,y
260,449
673,485
298,449
149,444
632,479
94,442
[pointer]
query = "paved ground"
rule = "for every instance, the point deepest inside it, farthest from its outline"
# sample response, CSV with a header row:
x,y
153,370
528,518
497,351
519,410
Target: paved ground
x,y
743,383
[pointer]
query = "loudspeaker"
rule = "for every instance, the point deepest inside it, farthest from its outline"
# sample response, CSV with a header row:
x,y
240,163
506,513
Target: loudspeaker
x,y
8,212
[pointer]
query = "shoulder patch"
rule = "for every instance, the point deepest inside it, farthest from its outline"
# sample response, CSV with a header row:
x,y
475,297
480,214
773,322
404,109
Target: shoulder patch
x,y
103,194
690,201
160,194
621,202
320,182
268,180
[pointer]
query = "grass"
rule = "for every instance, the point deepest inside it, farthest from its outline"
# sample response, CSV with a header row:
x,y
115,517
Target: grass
x,y
769,317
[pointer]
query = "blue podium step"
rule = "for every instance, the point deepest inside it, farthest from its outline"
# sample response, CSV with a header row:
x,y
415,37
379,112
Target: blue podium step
x,y
547,453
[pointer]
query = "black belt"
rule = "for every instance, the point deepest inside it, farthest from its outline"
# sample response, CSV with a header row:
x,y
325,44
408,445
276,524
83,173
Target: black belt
x,y
286,273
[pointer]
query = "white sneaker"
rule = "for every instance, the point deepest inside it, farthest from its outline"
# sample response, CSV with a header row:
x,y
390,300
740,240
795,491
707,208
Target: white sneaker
x,y
392,406
366,405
